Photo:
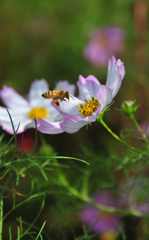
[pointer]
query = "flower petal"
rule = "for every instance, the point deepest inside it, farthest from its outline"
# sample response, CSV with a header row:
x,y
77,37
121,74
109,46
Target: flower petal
x,y
48,127
73,123
88,87
70,107
65,85
37,88
105,96
116,72
18,120
13,100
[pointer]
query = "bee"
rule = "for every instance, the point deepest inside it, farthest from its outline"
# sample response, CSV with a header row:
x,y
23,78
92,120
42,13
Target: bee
x,y
57,95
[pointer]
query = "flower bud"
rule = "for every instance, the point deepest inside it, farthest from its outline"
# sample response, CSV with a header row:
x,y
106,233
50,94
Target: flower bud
x,y
129,107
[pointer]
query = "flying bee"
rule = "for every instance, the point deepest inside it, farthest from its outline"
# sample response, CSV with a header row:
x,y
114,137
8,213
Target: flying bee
x,y
57,95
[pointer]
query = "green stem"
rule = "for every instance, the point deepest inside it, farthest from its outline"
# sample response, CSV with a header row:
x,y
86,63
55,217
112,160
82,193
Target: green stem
x,y
85,198
118,138
138,128
1,216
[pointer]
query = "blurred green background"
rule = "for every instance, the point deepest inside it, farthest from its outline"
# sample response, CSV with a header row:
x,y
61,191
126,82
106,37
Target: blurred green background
x,y
45,39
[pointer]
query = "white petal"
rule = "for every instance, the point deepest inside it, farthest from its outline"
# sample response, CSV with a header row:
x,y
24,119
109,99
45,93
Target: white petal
x,y
18,120
53,115
16,116
13,100
37,88
70,107
66,86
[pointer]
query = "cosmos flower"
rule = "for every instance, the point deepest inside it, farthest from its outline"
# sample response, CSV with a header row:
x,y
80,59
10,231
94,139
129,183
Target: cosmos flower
x,y
104,43
93,98
99,221
23,111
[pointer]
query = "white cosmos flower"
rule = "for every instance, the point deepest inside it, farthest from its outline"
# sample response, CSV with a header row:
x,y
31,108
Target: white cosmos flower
x,y
23,111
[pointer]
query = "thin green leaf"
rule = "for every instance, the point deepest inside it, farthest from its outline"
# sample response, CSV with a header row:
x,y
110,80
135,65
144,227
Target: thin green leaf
x,y
41,230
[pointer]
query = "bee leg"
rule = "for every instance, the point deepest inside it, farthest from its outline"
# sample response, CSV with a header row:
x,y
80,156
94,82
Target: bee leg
x,y
56,102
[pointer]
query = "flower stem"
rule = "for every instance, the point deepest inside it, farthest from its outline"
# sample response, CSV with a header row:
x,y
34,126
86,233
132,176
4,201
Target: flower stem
x,y
85,198
118,138
138,128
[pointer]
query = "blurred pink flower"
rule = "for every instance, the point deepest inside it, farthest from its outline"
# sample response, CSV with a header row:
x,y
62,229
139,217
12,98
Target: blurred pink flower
x,y
133,195
104,43
145,128
99,221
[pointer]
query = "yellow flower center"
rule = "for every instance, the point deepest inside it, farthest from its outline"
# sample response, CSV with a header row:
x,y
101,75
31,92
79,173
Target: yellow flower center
x,y
103,42
89,107
106,216
38,113
109,235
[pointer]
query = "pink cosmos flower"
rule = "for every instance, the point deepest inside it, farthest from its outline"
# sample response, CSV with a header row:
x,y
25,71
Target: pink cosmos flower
x,y
104,43
99,221
23,111
79,112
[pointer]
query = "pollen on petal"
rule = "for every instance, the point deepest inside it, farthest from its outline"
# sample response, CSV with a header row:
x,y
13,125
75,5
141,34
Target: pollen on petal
x,y
38,113
89,107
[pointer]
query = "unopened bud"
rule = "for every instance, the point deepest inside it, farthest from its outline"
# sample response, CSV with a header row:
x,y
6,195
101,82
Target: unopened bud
x,y
129,107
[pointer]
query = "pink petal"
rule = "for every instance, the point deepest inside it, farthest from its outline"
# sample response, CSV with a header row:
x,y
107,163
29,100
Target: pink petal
x,y
116,72
48,127
105,96
88,87
73,124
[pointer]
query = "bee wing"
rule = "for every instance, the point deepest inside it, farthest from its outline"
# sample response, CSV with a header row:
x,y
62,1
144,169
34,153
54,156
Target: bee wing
x,y
72,97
